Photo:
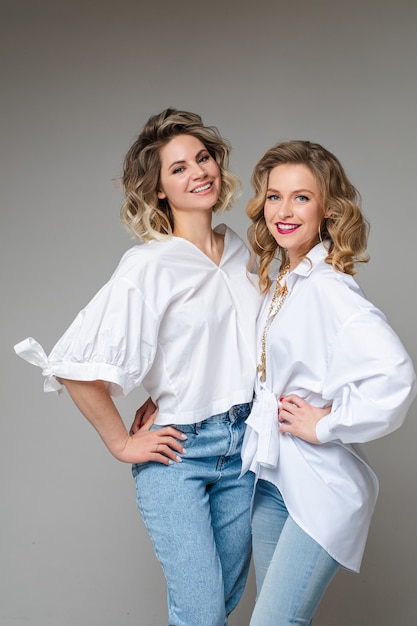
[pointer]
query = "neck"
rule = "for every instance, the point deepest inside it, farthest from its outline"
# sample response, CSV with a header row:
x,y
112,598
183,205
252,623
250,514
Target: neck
x,y
293,261
198,231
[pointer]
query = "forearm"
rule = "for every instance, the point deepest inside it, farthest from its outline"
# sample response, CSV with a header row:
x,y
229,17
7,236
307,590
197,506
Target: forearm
x,y
162,445
95,403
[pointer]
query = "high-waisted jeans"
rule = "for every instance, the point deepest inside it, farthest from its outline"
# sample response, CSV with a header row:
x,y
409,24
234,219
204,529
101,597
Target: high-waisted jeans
x,y
292,570
198,517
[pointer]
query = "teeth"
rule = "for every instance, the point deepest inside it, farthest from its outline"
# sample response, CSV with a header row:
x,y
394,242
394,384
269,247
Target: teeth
x,y
287,226
202,188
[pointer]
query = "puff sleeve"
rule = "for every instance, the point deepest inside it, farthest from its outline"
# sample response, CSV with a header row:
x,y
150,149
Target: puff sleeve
x,y
112,339
370,381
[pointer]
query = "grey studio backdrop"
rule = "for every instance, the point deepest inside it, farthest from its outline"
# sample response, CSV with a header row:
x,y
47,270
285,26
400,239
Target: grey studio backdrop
x,y
78,80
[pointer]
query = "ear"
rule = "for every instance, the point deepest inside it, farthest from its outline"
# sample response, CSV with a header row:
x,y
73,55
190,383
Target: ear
x,y
161,195
328,213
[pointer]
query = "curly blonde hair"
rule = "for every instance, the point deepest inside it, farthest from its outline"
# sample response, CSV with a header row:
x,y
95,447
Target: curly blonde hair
x,y
346,228
142,212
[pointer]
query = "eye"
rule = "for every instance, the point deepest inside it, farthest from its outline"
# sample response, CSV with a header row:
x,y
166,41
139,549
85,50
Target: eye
x,y
273,197
302,198
204,158
178,169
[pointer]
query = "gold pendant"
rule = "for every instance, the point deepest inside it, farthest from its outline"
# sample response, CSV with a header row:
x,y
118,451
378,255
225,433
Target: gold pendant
x,y
261,369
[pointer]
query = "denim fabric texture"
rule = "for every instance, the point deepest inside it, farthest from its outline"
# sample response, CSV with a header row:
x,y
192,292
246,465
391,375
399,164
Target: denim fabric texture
x,y
198,517
292,570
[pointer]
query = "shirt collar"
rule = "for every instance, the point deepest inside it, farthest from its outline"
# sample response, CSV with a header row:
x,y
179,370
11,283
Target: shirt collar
x,y
312,259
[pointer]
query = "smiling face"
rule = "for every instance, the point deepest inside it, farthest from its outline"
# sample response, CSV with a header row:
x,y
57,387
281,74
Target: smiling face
x,y
293,209
190,178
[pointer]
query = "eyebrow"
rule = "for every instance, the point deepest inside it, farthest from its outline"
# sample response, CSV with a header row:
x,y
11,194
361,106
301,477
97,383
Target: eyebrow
x,y
181,161
272,189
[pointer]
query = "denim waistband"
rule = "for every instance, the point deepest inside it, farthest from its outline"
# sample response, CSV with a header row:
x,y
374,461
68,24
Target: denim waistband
x,y
238,411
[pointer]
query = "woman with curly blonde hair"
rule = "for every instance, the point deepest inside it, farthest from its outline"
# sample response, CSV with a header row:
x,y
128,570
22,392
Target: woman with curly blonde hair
x,y
178,316
345,227
144,212
332,369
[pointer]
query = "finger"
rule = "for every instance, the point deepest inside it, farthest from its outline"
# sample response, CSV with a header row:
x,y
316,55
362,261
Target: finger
x,y
284,418
135,425
150,422
173,432
164,453
160,458
170,431
138,418
285,402
147,414
141,416
295,400
150,410
171,442
285,427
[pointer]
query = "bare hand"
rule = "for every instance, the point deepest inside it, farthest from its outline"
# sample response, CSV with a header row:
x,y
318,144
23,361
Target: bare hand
x,y
299,418
147,411
160,446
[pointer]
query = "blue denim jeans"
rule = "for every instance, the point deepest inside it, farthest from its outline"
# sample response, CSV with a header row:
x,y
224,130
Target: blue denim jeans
x,y
198,517
292,570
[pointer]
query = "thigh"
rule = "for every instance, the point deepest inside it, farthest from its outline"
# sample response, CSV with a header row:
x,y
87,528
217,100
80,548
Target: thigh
x,y
175,508
297,578
230,499
269,515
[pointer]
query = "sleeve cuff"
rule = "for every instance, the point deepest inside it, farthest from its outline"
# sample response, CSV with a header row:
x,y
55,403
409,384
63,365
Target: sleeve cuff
x,y
323,433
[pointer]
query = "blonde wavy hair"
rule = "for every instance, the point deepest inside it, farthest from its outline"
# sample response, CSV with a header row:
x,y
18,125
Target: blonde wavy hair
x,y
142,212
346,228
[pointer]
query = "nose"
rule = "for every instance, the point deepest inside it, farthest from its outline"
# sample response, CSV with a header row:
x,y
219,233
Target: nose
x,y
285,209
199,171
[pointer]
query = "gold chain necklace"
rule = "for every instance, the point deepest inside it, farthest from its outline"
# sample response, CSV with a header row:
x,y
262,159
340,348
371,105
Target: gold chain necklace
x,y
277,301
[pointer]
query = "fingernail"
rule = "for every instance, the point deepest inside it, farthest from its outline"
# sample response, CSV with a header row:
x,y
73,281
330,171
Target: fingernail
x,y
179,459
183,451
281,399
184,436
170,462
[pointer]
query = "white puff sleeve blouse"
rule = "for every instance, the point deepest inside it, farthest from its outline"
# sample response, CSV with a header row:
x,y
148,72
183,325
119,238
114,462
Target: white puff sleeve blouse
x,y
171,319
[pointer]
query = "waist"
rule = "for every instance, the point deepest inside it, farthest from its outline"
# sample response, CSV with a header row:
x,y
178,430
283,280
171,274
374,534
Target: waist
x,y
235,413
175,411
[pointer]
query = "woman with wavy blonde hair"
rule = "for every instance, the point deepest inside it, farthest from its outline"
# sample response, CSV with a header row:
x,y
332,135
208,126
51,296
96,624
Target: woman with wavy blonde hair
x,y
345,227
143,212
178,316
332,369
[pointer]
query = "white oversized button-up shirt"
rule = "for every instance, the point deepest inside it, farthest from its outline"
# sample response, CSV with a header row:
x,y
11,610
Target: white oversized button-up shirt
x,y
329,345
169,318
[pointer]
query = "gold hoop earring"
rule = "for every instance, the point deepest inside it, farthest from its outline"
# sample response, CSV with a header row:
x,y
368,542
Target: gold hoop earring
x,y
256,239
323,222
320,237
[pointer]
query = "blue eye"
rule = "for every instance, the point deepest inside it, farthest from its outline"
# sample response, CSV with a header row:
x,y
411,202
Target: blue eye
x,y
178,170
302,198
273,197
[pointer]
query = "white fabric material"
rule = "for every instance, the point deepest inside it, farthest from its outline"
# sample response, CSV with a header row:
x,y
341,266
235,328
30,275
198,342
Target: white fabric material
x,y
329,345
263,445
171,319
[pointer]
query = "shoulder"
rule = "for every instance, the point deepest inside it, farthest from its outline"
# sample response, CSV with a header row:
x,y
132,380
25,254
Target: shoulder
x,y
143,259
338,294
323,276
235,249
324,273
333,281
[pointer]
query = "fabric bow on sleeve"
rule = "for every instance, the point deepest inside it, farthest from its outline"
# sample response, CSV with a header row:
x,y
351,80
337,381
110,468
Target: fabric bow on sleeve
x,y
30,350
